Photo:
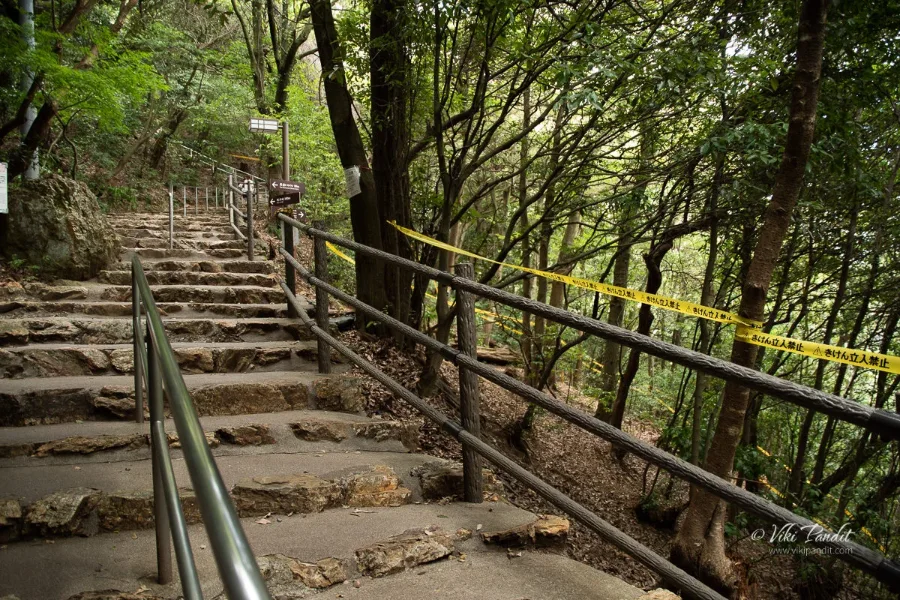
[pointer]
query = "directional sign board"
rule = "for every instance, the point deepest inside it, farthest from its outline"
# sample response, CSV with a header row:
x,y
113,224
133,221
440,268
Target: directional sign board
x,y
284,193
289,187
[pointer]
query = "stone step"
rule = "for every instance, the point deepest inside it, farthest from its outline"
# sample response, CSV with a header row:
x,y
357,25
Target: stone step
x,y
50,400
127,560
213,232
66,360
118,330
191,278
193,254
204,266
201,244
33,479
295,431
88,290
123,309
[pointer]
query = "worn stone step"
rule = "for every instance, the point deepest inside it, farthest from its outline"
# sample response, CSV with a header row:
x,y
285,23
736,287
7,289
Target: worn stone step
x,y
205,266
234,294
118,330
32,479
68,360
190,253
126,560
65,399
124,309
199,244
294,431
191,278
216,231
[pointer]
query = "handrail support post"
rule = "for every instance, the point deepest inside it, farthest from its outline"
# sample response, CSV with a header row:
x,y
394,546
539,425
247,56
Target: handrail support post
x,y
160,512
171,216
249,222
469,394
137,349
320,257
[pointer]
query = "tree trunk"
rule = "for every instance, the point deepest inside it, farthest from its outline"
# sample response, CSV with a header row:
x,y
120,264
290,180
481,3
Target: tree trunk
x,y
40,130
612,351
390,66
364,215
698,548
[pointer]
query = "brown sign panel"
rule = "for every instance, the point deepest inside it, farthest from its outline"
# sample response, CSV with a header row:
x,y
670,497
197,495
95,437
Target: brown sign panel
x,y
290,187
284,200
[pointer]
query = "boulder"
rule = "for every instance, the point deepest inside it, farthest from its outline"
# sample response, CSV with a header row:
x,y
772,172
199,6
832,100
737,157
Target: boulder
x,y
405,551
56,224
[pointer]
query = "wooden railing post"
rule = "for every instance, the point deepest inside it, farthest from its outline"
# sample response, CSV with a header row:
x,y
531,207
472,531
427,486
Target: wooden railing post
x,y
469,395
290,275
160,513
320,255
184,201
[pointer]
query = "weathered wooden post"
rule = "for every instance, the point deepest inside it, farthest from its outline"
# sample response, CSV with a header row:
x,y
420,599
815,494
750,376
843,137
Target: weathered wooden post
x,y
469,396
184,201
171,216
320,256
196,202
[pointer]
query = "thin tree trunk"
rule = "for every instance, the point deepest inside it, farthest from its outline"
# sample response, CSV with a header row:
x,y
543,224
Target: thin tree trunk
x,y
364,215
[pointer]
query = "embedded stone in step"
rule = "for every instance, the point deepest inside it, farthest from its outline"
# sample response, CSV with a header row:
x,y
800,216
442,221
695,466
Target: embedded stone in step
x,y
253,434
211,440
444,479
301,493
87,445
377,486
45,292
63,513
114,595
660,594
246,398
545,531
129,510
341,394
207,266
288,577
405,551
121,407
56,362
10,519
323,430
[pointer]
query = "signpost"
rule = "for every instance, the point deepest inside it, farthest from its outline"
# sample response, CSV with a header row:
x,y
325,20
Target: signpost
x,y
285,193
272,126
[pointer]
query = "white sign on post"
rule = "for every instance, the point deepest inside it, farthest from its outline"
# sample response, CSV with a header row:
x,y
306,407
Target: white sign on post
x,y
351,176
4,206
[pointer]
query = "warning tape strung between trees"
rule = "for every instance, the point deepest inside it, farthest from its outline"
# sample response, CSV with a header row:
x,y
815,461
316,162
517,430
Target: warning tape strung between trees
x,y
748,330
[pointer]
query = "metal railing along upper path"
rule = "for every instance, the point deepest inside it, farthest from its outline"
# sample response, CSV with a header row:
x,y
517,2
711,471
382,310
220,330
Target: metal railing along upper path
x,y
878,421
156,363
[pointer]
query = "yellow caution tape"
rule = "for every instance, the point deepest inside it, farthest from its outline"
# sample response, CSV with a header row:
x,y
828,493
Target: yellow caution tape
x,y
747,330
334,249
857,358
664,302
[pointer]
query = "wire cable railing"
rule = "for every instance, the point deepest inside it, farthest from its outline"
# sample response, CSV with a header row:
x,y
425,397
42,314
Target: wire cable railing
x,y
878,421
156,364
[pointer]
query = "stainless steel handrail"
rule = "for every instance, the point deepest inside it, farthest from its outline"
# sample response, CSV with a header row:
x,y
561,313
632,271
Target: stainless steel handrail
x,y
235,560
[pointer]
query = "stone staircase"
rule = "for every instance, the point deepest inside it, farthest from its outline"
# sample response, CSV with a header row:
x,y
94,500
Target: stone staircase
x,y
328,497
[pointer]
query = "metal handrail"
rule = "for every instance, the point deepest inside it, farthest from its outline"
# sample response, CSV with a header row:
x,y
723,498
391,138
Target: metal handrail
x,y
868,560
235,561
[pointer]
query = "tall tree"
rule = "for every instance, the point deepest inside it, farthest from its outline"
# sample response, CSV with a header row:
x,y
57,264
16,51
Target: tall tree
x,y
700,546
